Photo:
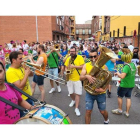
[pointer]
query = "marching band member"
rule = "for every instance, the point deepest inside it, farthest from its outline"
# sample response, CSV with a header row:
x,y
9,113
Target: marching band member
x,y
63,52
18,75
8,114
126,86
100,98
38,77
52,56
74,63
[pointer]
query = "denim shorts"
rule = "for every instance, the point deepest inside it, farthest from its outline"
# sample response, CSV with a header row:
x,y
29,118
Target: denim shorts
x,y
121,92
101,101
38,79
53,71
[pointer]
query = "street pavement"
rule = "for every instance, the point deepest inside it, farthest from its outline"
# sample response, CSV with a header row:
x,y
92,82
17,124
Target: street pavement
x,y
62,101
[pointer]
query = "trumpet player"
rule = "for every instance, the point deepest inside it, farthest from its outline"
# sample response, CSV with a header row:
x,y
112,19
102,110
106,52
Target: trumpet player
x,y
18,75
100,98
53,64
38,77
74,63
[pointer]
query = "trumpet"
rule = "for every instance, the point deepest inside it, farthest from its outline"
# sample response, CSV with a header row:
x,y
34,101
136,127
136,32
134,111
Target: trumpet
x,y
27,57
56,47
33,67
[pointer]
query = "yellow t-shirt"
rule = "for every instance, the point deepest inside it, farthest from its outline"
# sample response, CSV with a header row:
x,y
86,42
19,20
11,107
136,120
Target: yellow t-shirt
x,y
89,67
13,75
77,62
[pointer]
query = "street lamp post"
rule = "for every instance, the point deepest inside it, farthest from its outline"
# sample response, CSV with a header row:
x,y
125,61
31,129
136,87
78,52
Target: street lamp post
x,y
36,29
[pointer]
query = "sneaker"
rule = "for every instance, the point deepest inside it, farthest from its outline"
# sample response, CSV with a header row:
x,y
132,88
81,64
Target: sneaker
x,y
72,103
52,90
117,111
109,95
126,114
106,122
77,112
59,89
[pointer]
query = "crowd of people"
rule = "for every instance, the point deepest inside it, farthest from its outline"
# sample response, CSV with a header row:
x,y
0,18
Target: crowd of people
x,y
60,57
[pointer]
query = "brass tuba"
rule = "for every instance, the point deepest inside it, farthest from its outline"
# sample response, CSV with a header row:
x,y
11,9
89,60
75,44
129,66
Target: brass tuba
x,y
103,77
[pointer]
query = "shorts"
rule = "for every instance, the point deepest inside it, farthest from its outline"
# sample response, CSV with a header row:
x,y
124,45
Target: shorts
x,y
38,79
53,71
74,87
121,92
101,101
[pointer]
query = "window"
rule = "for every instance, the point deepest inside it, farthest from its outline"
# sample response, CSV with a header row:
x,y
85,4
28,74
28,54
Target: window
x,y
83,31
57,19
124,31
89,31
118,32
77,31
60,22
113,33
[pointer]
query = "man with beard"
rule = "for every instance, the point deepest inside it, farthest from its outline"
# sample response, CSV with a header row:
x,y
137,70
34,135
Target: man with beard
x,y
101,97
38,77
74,63
18,75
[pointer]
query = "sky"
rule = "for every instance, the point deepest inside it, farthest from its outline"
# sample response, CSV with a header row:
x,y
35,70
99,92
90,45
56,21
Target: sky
x,y
80,19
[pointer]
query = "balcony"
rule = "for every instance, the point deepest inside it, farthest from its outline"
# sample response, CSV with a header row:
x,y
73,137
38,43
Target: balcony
x,y
72,33
72,25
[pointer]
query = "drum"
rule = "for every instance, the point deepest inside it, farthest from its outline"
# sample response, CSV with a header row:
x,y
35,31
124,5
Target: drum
x,y
47,114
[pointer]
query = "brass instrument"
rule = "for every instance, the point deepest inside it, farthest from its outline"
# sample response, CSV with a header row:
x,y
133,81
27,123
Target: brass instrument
x,y
138,67
7,60
56,47
37,67
68,72
103,77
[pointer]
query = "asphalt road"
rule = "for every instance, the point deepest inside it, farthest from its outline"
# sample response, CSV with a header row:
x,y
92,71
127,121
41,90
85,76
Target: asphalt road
x,y
62,101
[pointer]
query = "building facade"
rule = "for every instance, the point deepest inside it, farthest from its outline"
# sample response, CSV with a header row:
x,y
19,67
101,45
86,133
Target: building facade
x,y
97,27
83,31
106,28
34,28
122,29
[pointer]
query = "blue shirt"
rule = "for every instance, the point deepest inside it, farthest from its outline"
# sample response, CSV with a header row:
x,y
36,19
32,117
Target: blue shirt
x,y
63,53
110,65
86,54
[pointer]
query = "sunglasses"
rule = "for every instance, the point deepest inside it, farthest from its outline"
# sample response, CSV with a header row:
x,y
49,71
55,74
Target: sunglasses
x,y
93,56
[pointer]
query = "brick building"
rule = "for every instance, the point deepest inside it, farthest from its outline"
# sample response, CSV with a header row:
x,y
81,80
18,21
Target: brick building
x,y
83,31
34,28
96,27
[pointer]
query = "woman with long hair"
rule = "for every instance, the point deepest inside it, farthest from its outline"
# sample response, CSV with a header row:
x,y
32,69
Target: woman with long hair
x,y
63,52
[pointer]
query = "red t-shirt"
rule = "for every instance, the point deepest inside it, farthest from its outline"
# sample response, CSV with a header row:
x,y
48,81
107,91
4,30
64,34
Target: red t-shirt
x,y
8,114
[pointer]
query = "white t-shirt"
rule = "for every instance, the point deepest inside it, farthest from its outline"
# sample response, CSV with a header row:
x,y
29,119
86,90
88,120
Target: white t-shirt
x,y
131,48
69,46
18,46
25,47
14,49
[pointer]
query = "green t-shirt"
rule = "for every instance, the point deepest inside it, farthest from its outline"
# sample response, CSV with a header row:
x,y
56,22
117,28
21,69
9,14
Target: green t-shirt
x,y
129,80
51,61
